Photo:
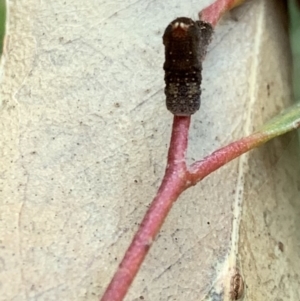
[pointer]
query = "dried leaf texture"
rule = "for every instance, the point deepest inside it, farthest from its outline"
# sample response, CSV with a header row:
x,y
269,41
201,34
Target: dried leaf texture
x,y
84,143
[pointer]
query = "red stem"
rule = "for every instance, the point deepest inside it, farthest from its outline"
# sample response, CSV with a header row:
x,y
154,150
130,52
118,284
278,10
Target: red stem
x,y
177,178
173,184
214,12
207,165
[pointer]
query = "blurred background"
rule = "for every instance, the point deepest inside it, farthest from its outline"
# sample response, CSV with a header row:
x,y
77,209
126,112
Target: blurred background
x,y
294,11
2,23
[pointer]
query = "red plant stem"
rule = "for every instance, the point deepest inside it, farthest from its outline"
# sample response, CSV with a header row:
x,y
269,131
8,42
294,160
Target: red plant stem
x,y
173,184
204,167
214,12
177,178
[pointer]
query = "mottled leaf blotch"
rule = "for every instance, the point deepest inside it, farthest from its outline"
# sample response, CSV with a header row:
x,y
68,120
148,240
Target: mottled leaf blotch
x,y
185,47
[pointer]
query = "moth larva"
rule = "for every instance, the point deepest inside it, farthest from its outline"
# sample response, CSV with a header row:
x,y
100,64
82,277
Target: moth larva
x,y
185,47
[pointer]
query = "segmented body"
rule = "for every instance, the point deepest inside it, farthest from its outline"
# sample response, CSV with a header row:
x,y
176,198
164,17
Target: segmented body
x,y
185,46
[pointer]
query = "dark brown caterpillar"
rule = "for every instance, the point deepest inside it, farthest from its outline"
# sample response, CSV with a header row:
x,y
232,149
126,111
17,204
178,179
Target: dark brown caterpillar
x,y
185,47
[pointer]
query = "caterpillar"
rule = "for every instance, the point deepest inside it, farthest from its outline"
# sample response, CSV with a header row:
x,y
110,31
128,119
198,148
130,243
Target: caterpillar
x,y
185,43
